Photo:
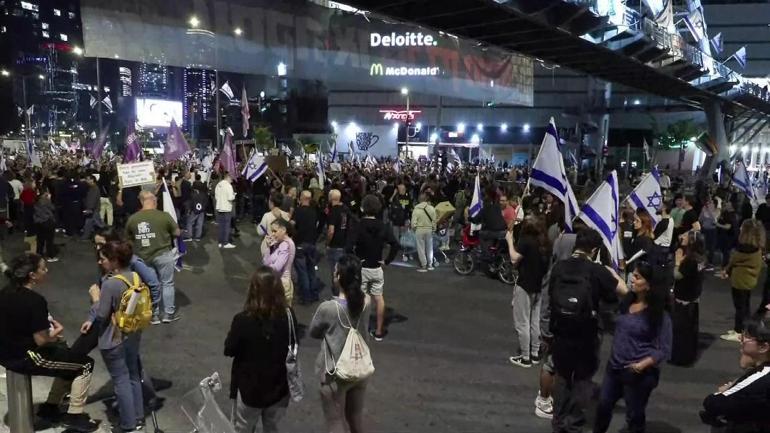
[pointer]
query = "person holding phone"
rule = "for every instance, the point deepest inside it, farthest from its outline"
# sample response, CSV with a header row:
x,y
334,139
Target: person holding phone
x,y
641,343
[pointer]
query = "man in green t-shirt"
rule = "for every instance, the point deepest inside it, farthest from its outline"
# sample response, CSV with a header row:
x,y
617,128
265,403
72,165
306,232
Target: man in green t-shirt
x,y
152,233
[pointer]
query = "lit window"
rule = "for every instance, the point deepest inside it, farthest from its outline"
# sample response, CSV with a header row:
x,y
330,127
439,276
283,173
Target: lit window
x,y
44,25
72,15
29,6
63,37
45,34
57,12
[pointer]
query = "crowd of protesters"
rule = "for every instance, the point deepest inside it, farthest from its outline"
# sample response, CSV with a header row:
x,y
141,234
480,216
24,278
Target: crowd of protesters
x,y
364,216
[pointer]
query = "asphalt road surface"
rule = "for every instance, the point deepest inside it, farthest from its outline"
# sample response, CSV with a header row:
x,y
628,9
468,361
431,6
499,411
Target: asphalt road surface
x,y
443,367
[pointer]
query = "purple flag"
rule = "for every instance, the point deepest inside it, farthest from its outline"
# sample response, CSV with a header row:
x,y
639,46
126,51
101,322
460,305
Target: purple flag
x,y
98,146
227,159
133,150
176,145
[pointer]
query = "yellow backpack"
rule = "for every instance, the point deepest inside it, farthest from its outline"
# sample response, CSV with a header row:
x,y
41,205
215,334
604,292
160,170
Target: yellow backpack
x,y
135,310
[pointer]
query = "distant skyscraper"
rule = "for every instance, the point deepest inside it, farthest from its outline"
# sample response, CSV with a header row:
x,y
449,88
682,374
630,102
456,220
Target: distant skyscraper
x,y
39,37
125,81
154,79
198,87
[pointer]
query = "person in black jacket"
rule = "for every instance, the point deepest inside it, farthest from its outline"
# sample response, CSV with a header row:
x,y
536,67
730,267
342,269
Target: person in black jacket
x,y
742,405
305,219
367,240
258,341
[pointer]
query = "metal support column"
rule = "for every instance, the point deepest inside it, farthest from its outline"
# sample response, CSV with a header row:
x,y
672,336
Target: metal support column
x,y
715,120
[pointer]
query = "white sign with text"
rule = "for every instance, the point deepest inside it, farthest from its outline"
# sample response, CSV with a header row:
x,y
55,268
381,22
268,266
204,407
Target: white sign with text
x,y
135,174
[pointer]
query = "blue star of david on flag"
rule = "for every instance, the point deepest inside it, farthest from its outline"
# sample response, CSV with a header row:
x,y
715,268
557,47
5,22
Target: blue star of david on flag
x,y
654,200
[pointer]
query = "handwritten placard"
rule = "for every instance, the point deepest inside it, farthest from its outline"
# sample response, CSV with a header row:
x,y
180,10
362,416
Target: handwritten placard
x,y
135,174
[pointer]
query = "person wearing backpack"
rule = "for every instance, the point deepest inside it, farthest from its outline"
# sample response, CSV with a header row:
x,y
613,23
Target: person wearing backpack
x,y
120,346
576,286
339,324
258,342
197,214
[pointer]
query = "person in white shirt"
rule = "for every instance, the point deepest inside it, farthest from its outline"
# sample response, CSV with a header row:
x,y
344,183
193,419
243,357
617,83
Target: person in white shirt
x,y
665,182
17,187
224,196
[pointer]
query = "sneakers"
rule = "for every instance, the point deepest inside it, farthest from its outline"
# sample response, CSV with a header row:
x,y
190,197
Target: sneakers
x,y
188,239
404,258
155,319
544,407
79,422
731,336
431,268
520,361
227,246
535,359
171,317
377,337
422,270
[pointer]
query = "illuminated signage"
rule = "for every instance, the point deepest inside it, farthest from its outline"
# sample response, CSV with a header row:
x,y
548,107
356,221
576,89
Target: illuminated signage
x,y
378,69
407,39
401,115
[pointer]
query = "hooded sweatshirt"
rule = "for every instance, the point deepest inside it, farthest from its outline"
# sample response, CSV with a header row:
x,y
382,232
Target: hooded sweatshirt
x,y
744,266
368,238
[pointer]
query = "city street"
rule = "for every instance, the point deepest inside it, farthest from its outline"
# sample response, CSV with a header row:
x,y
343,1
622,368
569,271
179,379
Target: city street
x,y
443,368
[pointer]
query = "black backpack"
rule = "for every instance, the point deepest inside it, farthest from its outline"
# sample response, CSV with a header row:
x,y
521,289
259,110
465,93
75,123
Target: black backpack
x,y
573,311
199,200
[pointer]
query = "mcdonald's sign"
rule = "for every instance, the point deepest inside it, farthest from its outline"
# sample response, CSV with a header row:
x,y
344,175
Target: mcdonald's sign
x,y
376,69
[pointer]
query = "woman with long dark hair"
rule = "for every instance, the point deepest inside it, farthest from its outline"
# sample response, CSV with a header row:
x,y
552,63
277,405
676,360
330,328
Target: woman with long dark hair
x,y
258,342
531,255
689,264
342,401
641,343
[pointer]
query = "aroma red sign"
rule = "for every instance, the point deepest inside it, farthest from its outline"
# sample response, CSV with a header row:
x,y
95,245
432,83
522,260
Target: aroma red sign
x,y
401,115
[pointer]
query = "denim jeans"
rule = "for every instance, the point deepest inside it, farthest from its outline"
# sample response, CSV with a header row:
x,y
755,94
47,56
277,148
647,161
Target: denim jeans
x,y
634,388
195,224
164,267
246,418
93,221
332,256
224,221
304,266
122,363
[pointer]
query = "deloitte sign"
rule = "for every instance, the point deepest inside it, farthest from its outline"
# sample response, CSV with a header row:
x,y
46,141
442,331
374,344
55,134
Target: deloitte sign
x,y
407,39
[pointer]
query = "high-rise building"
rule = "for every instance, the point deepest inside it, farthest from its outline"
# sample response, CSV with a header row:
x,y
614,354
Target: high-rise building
x,y
153,79
198,87
40,47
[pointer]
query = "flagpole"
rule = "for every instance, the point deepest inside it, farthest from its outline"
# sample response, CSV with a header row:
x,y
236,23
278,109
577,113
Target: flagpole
x,y
216,81
99,94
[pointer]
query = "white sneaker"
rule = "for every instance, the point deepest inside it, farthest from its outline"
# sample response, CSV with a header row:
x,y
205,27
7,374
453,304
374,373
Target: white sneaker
x,y
544,407
431,268
228,246
731,335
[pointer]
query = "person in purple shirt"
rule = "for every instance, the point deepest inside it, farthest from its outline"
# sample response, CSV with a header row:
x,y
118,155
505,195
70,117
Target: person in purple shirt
x,y
278,253
641,343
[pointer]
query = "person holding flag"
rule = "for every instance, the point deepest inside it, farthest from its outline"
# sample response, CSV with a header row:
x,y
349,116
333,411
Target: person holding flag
x,y
600,212
489,215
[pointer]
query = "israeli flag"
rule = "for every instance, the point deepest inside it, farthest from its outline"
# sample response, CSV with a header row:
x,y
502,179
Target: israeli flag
x,y
319,171
476,203
601,214
647,195
548,173
255,168
742,180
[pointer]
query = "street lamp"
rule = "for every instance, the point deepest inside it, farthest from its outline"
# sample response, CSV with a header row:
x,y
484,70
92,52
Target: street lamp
x,y
504,127
4,72
76,50
194,22
282,69
238,31
40,76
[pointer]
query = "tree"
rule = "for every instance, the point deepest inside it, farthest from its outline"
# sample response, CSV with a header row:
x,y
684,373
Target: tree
x,y
263,138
